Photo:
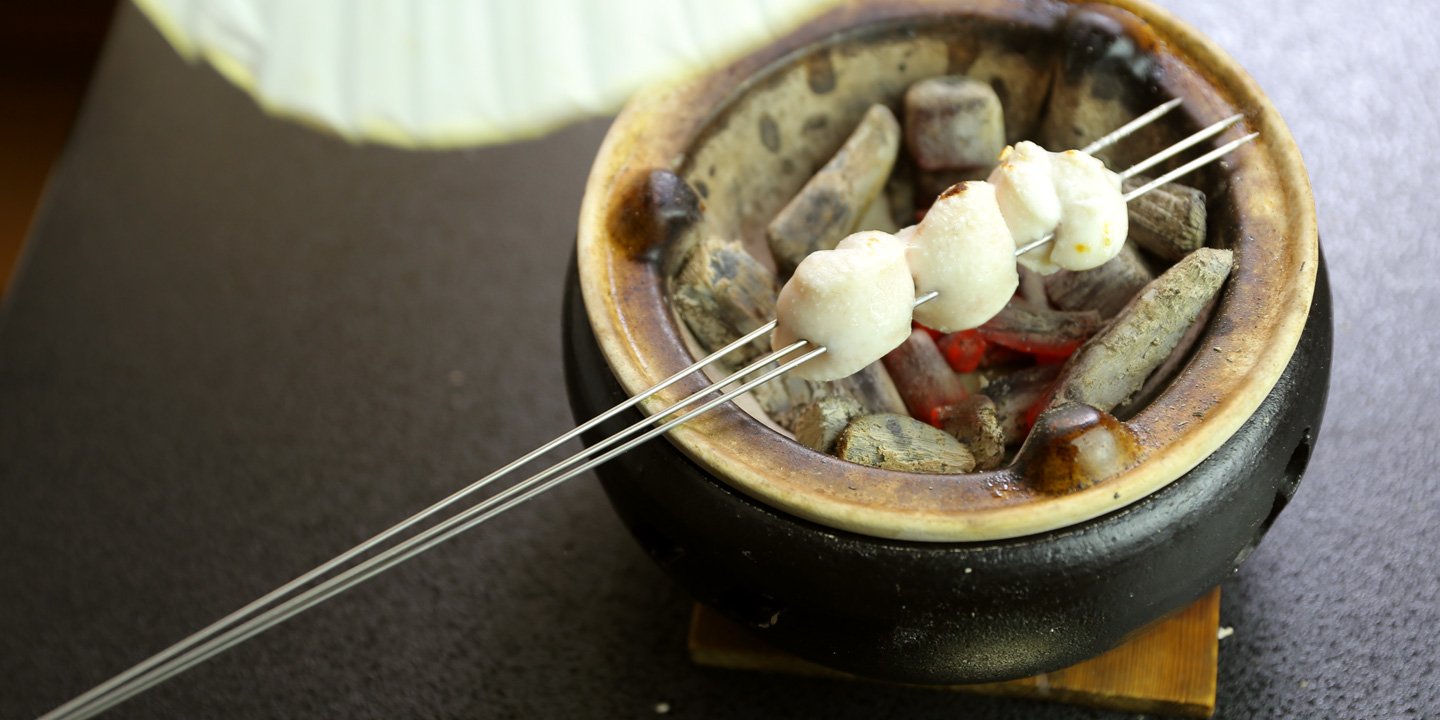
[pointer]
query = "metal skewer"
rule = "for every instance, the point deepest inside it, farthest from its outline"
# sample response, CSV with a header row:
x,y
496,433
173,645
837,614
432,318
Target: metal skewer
x,y
401,526
216,638
1180,147
1124,131
1199,162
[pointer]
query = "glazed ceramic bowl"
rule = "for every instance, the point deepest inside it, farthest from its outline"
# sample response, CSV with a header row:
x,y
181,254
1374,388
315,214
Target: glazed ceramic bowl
x,y
968,577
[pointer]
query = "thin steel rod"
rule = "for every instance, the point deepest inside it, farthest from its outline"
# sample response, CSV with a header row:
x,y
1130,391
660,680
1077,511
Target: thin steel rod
x,y
1181,146
695,397
211,630
1124,130
1034,245
499,502
420,543
397,555
1190,166
395,529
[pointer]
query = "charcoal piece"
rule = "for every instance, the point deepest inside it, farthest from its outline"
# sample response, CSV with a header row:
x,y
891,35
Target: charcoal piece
x,y
1032,289
1114,364
722,293
1169,221
830,204
1015,393
819,424
930,184
953,122
897,442
1161,377
1106,289
785,397
974,423
1044,332
899,192
874,388
922,375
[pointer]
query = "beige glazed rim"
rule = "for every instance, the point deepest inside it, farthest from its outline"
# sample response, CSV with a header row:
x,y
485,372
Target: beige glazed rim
x,y
1249,341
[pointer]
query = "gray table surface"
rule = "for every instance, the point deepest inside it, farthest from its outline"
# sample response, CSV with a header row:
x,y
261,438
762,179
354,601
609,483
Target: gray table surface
x,y
236,347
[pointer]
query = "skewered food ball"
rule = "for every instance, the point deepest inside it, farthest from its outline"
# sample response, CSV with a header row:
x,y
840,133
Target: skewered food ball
x,y
854,300
1093,216
1025,191
1070,194
963,250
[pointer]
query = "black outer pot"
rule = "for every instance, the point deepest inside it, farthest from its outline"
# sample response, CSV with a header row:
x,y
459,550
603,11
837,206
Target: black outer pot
x,y
958,612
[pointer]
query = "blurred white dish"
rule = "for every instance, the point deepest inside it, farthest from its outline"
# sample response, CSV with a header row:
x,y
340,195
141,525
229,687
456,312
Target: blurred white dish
x,y
447,73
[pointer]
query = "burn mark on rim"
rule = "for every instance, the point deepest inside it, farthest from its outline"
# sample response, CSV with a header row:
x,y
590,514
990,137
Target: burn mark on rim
x,y
820,73
654,208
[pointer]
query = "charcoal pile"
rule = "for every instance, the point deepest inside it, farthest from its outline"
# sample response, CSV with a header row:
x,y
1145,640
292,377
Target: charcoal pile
x,y
958,402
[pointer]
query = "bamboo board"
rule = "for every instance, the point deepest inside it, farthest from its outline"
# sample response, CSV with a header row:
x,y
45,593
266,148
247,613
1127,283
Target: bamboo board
x,y
1166,668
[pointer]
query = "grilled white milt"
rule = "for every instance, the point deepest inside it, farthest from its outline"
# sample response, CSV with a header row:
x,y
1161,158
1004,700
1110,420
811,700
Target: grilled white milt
x,y
1070,194
1093,218
1025,191
854,300
963,250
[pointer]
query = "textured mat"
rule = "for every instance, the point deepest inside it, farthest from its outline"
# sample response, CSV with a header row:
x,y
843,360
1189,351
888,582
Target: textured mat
x,y
1167,667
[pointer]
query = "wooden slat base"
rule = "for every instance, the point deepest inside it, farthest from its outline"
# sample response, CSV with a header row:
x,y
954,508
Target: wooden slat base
x,y
1166,668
